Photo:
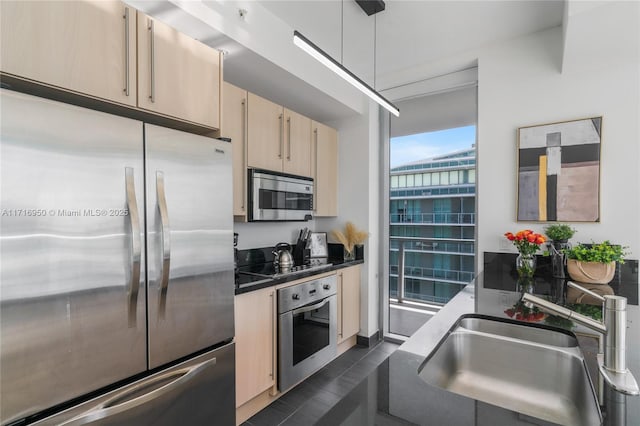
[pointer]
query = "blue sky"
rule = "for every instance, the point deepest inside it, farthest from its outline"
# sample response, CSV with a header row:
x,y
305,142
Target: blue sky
x,y
406,149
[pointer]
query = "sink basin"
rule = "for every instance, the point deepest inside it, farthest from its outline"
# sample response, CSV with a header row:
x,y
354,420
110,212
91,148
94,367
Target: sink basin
x,y
515,367
545,336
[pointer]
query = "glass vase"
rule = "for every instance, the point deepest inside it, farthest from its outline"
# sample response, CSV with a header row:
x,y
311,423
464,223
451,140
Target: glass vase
x,y
525,265
349,255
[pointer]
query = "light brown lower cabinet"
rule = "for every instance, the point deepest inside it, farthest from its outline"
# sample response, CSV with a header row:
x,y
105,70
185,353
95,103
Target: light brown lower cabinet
x,y
255,321
256,338
348,302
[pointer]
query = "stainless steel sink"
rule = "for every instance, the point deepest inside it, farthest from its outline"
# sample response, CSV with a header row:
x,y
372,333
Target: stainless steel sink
x,y
515,367
519,331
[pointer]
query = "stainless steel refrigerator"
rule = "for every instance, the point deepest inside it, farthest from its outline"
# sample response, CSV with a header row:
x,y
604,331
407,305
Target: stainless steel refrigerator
x,y
116,270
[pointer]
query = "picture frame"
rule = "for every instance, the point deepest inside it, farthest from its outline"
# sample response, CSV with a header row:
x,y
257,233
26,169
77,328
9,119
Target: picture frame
x,y
318,245
558,171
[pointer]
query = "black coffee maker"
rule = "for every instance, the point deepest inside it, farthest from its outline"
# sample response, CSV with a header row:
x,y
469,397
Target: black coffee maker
x,y
235,255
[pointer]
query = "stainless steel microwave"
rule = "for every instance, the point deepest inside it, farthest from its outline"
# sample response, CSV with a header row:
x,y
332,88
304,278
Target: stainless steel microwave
x,y
279,196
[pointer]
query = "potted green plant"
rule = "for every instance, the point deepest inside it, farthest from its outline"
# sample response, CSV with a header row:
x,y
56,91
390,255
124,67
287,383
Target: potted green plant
x,y
559,232
594,263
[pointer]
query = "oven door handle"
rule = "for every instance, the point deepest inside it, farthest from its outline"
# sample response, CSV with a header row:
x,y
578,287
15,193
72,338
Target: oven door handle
x,y
311,307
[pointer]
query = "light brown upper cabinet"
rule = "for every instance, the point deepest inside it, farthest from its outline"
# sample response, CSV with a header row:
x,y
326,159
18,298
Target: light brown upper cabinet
x,y
177,76
81,46
265,140
278,139
324,162
110,51
234,126
297,144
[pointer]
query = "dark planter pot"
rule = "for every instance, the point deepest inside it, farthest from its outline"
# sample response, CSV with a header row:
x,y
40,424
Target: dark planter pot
x,y
560,244
558,258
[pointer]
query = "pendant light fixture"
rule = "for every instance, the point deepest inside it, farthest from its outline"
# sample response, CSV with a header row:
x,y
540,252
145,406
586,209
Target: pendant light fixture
x,y
326,60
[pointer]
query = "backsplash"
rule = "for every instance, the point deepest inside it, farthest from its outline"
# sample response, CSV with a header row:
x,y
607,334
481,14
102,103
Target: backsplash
x,y
500,273
265,234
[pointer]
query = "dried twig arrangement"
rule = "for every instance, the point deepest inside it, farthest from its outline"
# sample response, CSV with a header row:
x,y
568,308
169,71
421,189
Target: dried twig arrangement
x,y
352,236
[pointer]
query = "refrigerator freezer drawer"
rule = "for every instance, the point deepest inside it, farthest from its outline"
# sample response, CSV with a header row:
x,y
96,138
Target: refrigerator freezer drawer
x,y
196,392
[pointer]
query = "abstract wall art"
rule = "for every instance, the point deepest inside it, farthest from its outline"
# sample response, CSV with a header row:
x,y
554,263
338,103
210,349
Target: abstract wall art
x,y
559,171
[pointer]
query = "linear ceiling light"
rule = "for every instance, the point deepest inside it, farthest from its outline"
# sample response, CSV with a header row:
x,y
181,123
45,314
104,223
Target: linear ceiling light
x,y
326,60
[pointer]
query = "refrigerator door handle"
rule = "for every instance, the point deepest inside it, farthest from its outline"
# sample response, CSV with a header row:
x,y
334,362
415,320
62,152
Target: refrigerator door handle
x,y
136,246
166,242
124,401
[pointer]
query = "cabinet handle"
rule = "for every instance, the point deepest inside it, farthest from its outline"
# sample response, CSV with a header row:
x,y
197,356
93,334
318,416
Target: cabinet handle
x,y
315,170
289,138
152,79
273,338
281,136
341,303
126,50
244,151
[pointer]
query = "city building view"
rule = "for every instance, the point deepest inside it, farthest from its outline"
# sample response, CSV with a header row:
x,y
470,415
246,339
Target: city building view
x,y
432,217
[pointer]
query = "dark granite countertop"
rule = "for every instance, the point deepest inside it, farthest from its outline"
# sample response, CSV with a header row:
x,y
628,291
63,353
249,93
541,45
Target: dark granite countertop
x,y
261,283
394,394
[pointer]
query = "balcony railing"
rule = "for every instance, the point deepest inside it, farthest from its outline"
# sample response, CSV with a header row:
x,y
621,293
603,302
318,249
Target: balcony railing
x,y
402,270
439,218
433,192
461,277
425,245
453,162
420,299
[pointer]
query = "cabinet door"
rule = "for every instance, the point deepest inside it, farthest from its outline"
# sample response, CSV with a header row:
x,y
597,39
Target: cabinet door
x,y
348,302
255,322
83,46
324,162
265,147
234,126
297,136
177,75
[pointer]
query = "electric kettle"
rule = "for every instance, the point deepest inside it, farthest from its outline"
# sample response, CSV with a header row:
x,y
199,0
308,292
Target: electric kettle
x,y
283,260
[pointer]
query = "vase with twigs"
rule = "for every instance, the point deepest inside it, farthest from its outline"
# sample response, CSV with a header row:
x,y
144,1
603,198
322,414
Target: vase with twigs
x,y
350,239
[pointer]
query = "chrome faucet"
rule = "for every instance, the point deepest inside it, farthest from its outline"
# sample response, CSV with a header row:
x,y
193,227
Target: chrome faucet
x,y
612,361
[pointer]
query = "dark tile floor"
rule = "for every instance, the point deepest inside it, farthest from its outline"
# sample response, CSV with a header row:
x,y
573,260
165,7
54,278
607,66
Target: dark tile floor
x,y
306,403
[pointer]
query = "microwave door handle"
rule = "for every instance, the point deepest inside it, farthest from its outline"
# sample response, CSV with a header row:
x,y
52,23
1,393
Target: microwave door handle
x,y
136,246
166,242
114,406
310,308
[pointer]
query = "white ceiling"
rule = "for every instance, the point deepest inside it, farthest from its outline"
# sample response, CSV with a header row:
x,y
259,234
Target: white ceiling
x,y
408,35
412,33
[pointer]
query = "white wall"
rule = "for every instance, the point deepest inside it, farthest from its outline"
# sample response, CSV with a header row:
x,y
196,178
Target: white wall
x,y
358,198
520,84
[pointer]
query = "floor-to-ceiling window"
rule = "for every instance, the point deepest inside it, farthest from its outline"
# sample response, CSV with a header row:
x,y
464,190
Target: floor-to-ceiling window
x,y
432,205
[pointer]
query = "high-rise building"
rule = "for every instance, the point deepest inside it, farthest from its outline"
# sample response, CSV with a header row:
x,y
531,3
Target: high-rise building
x,y
432,209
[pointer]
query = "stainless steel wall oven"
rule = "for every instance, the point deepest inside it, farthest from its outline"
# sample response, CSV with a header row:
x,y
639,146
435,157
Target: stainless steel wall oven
x,y
307,329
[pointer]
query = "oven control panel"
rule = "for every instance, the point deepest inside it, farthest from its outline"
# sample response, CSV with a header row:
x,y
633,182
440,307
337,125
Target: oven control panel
x,y
306,293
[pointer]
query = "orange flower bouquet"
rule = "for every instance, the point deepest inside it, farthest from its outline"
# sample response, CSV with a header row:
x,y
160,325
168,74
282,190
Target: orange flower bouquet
x,y
528,243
